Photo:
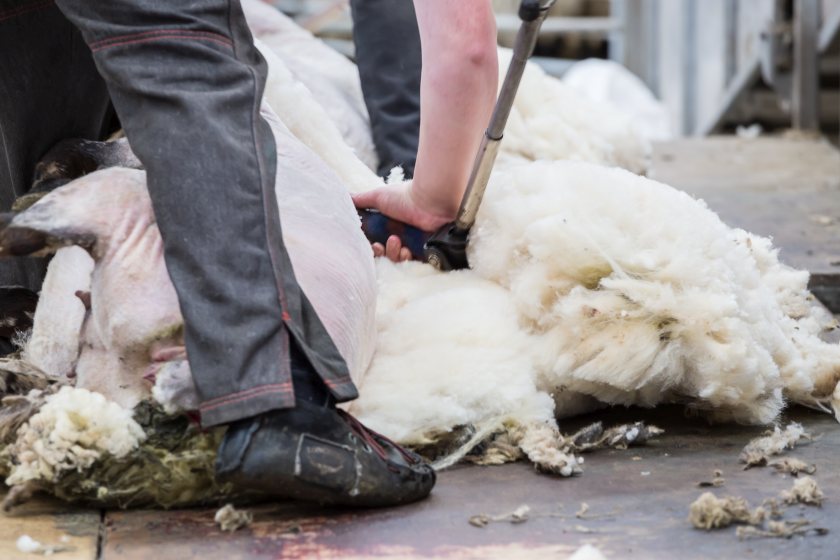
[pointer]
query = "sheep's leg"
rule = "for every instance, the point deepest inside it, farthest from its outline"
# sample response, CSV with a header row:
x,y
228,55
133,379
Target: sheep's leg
x,y
543,445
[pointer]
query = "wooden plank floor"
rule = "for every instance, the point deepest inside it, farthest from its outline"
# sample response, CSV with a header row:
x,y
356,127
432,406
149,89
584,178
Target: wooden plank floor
x,y
51,522
640,497
780,187
645,515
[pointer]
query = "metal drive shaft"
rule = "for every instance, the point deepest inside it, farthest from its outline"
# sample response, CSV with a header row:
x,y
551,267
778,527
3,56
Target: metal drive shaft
x,y
446,248
532,13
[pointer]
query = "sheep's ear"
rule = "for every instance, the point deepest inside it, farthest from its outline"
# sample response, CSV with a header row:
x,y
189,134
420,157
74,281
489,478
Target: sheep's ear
x,y
16,241
36,227
22,237
48,217
21,241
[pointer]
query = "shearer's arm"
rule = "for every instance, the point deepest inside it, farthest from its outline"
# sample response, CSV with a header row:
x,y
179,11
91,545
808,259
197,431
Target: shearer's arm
x,y
458,89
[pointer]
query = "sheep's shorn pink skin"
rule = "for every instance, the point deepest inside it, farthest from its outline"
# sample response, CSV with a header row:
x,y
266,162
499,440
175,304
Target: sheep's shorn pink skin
x,y
134,325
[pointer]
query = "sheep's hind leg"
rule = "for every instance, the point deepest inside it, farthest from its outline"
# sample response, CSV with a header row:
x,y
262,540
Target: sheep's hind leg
x,y
544,446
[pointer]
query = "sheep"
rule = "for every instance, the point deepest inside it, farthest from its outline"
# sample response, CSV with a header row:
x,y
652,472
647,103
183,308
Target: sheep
x,y
134,321
590,285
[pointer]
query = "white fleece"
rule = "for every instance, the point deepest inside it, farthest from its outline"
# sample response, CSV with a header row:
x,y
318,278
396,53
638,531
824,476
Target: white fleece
x,y
552,121
594,281
74,428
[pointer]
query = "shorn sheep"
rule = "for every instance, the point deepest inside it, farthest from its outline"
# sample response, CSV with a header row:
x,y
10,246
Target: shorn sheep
x,y
590,285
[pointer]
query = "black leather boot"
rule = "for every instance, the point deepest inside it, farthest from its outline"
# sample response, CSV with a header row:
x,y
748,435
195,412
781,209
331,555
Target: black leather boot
x,y
321,454
317,453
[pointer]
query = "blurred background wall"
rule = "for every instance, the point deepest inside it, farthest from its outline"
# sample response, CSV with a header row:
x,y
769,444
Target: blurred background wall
x,y
714,64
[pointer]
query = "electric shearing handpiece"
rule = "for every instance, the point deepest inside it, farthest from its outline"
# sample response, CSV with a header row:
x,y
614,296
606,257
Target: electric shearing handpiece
x,y
446,248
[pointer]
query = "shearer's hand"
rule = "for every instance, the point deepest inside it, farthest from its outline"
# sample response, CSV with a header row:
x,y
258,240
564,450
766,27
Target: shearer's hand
x,y
401,202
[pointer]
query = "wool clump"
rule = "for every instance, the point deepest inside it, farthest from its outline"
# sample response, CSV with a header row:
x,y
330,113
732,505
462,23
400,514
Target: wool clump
x,y
710,512
793,466
551,121
73,429
230,519
805,490
593,285
757,451
780,530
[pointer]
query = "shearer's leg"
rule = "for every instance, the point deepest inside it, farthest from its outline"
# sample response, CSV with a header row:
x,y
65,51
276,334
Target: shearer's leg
x,y
187,82
388,55
49,91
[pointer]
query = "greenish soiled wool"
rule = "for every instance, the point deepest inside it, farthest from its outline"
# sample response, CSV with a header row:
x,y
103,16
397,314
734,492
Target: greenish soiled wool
x,y
174,467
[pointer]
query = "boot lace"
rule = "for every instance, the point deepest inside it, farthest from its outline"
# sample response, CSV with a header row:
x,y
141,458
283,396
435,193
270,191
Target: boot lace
x,y
370,437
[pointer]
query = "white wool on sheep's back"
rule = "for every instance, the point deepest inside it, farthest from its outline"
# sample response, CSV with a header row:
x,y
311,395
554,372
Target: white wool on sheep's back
x,y
639,293
74,428
593,281
552,121
448,353
331,78
307,119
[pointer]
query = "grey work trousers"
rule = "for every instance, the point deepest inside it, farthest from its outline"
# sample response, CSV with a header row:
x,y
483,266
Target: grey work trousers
x,y
388,56
49,91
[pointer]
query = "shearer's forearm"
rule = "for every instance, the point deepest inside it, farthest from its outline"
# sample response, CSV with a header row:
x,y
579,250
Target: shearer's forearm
x,y
458,89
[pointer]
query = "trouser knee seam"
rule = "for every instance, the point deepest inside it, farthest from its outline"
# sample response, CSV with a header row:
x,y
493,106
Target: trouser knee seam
x,y
245,395
159,35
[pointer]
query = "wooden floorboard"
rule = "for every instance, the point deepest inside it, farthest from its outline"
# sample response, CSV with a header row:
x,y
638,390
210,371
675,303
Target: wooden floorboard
x,y
642,494
50,522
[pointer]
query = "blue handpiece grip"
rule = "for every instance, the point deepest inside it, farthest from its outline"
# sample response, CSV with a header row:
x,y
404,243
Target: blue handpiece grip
x,y
378,227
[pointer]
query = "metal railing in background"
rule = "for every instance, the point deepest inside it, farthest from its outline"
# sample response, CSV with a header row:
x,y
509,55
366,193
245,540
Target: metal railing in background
x,y
715,63
329,19
712,62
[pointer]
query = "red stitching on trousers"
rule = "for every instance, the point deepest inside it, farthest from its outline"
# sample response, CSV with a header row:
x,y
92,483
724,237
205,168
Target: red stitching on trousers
x,y
204,408
20,10
244,395
251,390
343,381
209,34
174,34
